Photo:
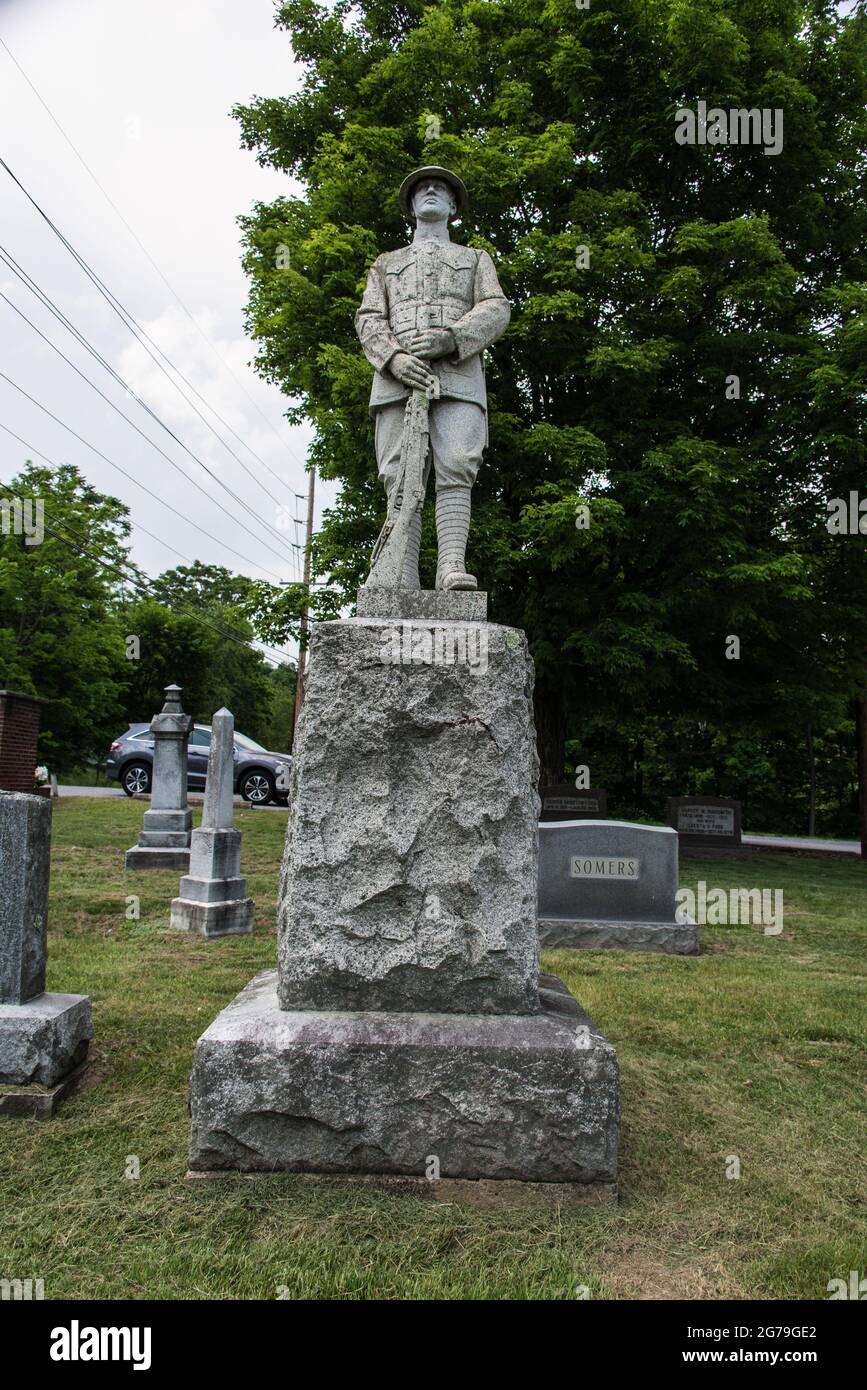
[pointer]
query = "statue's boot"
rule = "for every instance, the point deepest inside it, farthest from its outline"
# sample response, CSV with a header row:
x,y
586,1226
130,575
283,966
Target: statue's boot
x,y
453,528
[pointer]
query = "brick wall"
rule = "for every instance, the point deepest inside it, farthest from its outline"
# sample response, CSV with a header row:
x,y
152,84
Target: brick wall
x,y
19,731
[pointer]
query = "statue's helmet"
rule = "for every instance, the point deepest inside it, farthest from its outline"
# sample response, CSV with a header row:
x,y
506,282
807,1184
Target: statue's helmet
x,y
432,171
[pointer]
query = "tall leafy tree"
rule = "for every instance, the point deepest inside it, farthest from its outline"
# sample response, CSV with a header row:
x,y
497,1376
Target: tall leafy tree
x,y
60,633
646,275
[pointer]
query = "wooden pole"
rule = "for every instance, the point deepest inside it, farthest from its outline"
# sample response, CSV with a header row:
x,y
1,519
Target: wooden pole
x,y
305,619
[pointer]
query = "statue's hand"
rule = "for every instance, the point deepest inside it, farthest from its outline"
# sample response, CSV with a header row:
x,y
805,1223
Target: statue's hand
x,y
410,371
433,342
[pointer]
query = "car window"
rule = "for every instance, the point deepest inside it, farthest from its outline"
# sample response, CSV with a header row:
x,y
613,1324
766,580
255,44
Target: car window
x,y
249,745
201,738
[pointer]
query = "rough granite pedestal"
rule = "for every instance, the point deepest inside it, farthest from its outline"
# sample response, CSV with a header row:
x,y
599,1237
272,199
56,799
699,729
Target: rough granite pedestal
x,y
43,1037
405,1026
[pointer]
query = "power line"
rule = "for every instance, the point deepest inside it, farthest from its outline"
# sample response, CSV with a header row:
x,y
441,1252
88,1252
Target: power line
x,y
236,520
141,581
168,286
140,334
48,303
186,519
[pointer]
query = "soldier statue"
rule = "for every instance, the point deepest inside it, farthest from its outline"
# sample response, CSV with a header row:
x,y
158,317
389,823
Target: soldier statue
x,y
428,313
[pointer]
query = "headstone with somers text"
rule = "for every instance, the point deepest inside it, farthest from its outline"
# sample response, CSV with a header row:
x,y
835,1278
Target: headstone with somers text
x,y
611,884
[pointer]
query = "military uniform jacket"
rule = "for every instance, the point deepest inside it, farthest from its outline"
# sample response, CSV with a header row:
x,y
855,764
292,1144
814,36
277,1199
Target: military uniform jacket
x,y
432,284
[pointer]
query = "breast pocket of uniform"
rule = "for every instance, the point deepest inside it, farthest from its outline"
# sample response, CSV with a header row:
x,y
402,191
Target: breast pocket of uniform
x,y
400,284
456,281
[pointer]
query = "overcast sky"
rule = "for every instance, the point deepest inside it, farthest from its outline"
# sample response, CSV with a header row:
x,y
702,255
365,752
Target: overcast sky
x,y
144,93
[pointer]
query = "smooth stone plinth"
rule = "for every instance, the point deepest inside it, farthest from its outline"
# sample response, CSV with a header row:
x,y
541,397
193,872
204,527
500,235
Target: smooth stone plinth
x,y
233,917
44,1039
213,896
25,858
409,878
529,1097
144,857
611,884
445,605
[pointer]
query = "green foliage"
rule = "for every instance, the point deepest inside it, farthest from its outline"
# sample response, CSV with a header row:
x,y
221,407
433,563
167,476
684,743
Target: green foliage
x,y
609,387
60,633
70,605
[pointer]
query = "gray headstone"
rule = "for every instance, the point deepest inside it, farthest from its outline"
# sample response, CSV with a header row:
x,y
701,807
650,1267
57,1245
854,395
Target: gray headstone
x,y
610,883
25,859
164,841
212,898
708,827
43,1036
562,801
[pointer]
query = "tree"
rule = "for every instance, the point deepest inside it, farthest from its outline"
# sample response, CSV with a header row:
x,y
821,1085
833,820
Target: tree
x,y
670,305
60,635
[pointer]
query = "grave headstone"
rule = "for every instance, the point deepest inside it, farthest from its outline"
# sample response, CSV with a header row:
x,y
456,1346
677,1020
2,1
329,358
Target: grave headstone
x,y
562,801
43,1037
213,897
407,1021
708,827
164,842
611,884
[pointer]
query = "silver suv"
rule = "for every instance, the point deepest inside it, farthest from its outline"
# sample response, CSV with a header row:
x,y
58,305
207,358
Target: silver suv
x,y
260,776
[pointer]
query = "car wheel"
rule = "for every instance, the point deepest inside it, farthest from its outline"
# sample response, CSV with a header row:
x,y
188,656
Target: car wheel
x,y
257,787
136,779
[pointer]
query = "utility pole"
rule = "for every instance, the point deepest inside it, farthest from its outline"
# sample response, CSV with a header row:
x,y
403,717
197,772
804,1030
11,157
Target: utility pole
x,y
302,643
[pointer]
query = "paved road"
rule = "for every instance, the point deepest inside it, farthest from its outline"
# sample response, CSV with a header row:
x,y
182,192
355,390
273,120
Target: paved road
x,y
803,842
193,797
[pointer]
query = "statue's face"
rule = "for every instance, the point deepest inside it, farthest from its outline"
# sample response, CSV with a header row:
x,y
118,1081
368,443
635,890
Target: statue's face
x,y
433,201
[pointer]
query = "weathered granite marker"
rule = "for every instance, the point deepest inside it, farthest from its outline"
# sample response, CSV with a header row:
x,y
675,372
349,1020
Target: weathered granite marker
x,y
213,896
43,1037
164,842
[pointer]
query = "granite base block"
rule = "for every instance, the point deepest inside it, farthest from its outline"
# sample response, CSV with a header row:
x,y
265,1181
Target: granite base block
x,y
532,1097
141,858
23,1103
45,1039
231,918
670,938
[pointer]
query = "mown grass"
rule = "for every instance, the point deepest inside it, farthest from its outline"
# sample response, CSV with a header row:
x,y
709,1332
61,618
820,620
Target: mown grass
x,y
753,1050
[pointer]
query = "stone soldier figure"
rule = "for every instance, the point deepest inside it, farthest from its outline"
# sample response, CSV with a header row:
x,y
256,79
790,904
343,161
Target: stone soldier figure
x,y
429,311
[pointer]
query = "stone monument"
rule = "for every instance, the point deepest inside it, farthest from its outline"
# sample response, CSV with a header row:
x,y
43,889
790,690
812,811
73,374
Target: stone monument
x,y
562,801
708,827
43,1037
611,884
406,1025
213,896
164,842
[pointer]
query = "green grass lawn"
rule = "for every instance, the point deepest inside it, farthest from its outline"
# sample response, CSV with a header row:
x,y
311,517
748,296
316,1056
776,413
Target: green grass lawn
x,y
755,1049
